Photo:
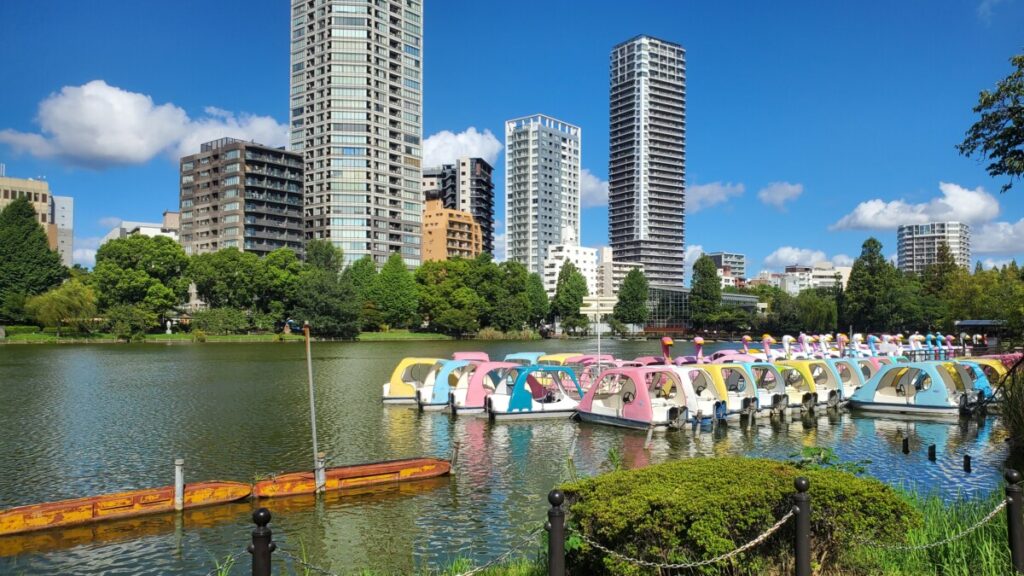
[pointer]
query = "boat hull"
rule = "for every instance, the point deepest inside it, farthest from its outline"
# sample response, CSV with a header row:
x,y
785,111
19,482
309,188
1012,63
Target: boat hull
x,y
119,505
621,422
399,400
952,412
531,415
342,477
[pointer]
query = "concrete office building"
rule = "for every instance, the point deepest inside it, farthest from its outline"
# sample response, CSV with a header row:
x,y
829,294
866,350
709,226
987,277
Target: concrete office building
x,y
647,156
356,98
55,213
237,194
467,186
611,273
542,188
62,214
737,263
918,244
583,258
449,233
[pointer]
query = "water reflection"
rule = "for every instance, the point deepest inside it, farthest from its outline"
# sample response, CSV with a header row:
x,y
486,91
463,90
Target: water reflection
x,y
87,420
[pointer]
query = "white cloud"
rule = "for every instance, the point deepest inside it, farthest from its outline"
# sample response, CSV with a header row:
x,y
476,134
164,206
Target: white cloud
x,y
990,263
110,221
99,125
446,147
956,203
778,194
999,238
693,252
85,251
499,247
701,196
789,255
593,190
985,9
842,260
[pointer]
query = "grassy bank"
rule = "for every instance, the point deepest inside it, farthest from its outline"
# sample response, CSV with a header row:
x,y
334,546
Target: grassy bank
x,y
397,335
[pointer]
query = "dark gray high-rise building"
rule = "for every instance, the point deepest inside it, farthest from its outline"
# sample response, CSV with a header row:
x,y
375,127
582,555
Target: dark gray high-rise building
x,y
466,186
647,156
237,194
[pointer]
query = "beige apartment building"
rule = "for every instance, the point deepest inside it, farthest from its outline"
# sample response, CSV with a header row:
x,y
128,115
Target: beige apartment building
x,y
56,213
449,233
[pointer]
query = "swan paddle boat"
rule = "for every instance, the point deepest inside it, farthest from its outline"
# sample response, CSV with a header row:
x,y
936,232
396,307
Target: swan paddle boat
x,y
524,358
641,397
471,356
485,378
920,388
770,387
537,392
993,368
825,384
433,394
799,388
557,359
719,391
849,374
406,378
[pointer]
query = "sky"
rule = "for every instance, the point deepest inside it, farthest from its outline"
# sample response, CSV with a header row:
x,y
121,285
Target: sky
x,y
810,125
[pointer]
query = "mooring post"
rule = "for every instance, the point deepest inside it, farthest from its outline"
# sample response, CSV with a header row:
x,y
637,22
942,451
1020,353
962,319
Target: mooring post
x,y
556,534
1015,518
262,546
802,545
967,463
906,445
320,474
931,452
179,484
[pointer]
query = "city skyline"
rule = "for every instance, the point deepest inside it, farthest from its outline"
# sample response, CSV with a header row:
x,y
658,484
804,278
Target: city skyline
x,y
792,156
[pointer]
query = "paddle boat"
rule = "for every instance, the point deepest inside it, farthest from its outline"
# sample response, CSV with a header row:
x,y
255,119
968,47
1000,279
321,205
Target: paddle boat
x,y
642,397
993,368
920,388
800,389
770,387
485,378
824,383
589,366
523,358
974,374
433,394
849,374
557,359
720,391
537,392
406,378
472,356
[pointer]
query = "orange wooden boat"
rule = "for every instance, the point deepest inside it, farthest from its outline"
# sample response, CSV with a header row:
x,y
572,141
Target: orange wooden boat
x,y
120,505
342,477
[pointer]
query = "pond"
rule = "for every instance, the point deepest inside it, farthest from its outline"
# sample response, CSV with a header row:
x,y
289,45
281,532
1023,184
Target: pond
x,y
87,420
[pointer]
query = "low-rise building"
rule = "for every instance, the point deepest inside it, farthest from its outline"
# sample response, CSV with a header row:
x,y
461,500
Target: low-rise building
x,y
449,233
736,263
38,194
585,260
611,273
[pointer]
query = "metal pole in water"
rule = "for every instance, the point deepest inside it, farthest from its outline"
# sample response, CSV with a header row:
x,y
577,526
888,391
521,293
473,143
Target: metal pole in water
x,y
179,484
967,463
318,471
906,445
931,452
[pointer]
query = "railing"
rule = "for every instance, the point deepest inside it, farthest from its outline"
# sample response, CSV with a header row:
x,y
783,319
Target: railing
x,y
262,547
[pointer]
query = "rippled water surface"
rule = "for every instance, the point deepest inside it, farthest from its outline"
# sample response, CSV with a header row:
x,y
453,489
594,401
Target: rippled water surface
x,y
86,420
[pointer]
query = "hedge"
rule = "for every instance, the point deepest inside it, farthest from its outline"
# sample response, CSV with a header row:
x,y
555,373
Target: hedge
x,y
14,330
698,508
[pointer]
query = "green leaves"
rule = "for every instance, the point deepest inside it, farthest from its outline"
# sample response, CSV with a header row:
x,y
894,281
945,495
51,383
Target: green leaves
x,y
631,307
27,265
999,134
570,291
705,293
393,292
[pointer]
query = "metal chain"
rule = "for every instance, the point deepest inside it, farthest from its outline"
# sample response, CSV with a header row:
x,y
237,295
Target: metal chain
x,y
304,564
944,541
664,566
229,561
526,539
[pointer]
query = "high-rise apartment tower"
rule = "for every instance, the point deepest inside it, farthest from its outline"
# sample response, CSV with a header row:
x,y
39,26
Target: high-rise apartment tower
x,y
466,185
918,244
356,98
542,188
647,156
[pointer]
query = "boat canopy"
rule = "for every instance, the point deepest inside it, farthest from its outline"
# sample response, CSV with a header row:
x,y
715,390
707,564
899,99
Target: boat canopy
x,y
526,358
929,383
536,382
994,369
447,378
975,374
557,359
630,391
850,376
408,373
767,377
474,356
587,359
485,380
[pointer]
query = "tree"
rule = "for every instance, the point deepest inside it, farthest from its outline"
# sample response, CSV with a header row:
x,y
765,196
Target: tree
x,y
631,307
570,290
327,302
361,274
873,293
706,292
129,322
27,265
227,278
140,271
538,297
514,312
462,316
323,254
394,293
220,321
998,135
816,311
72,303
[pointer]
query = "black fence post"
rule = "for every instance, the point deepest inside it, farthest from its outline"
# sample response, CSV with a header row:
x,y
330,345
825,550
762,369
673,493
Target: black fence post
x,y
262,546
556,534
1015,524
802,546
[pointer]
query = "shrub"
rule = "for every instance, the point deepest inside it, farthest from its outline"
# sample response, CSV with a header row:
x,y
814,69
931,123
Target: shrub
x,y
221,321
490,334
15,330
698,508
198,336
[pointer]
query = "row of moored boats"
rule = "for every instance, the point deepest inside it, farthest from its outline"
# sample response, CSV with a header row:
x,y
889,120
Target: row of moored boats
x,y
662,392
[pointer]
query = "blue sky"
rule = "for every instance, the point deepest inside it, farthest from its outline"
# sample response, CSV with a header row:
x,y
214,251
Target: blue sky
x,y
811,126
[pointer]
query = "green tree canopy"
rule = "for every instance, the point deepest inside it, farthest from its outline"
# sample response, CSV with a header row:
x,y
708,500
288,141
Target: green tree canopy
x,y
538,297
141,271
874,293
361,274
570,290
327,302
998,135
631,307
72,303
323,254
27,265
227,278
705,293
394,293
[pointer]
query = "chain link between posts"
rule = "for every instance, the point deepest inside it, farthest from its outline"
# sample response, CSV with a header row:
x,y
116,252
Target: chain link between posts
x,y
988,518
666,566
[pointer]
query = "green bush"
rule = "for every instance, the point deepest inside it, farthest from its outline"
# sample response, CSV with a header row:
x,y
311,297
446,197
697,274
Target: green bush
x,y
490,334
15,330
198,336
221,321
694,509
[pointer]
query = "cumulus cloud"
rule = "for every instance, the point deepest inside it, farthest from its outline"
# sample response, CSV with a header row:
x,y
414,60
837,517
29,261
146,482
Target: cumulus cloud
x,y
110,221
778,194
98,125
85,251
789,256
956,203
446,147
998,238
693,252
701,196
990,263
842,260
593,190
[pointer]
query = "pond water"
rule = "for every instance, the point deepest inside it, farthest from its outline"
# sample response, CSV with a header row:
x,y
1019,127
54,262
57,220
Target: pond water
x,y
87,420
